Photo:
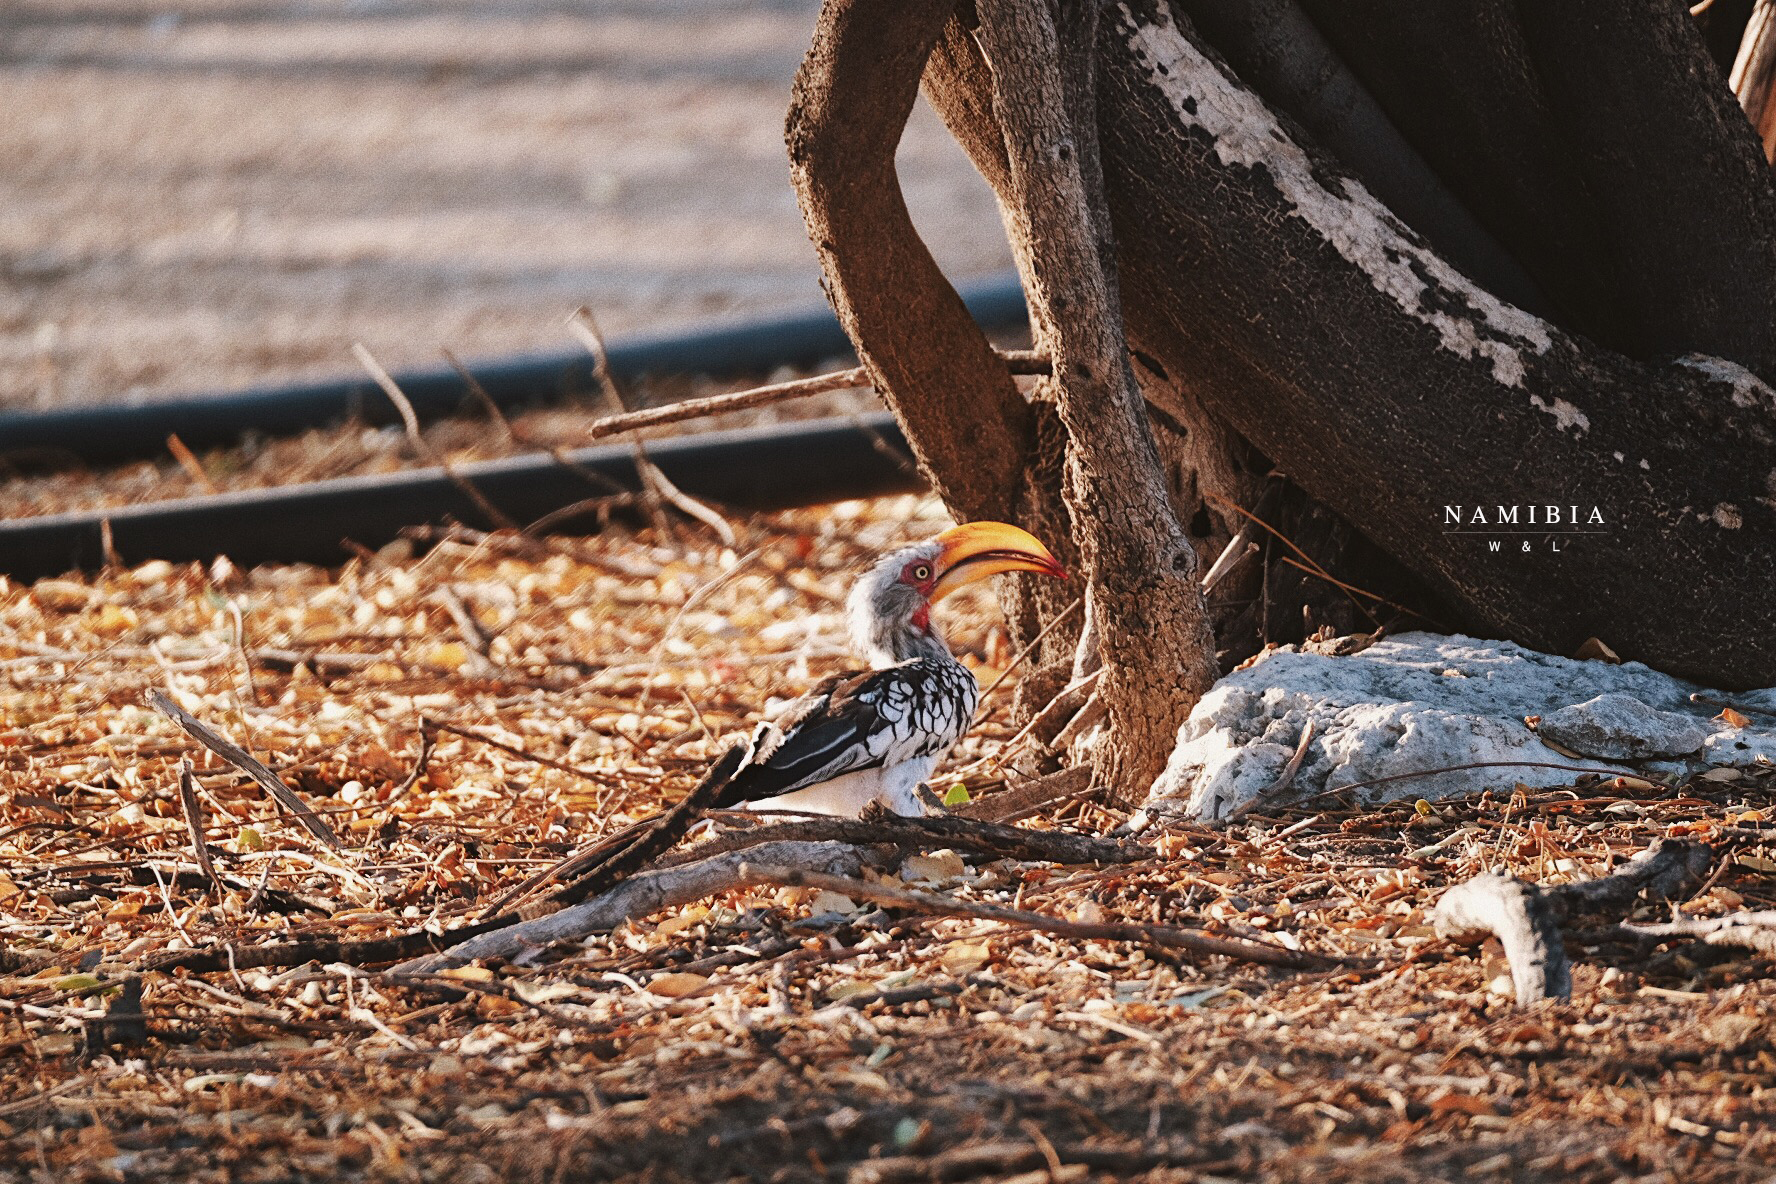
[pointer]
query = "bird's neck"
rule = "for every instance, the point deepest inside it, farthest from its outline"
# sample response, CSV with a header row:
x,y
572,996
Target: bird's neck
x,y
906,641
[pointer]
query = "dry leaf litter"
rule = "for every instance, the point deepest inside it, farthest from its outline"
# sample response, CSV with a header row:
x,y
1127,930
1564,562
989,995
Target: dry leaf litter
x,y
765,1033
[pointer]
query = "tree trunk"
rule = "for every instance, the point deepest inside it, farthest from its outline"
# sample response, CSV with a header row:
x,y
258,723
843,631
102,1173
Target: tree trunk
x,y
1141,576
1526,403
1391,386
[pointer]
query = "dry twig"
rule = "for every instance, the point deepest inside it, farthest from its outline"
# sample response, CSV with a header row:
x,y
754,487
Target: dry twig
x,y
243,760
1018,361
1168,937
194,822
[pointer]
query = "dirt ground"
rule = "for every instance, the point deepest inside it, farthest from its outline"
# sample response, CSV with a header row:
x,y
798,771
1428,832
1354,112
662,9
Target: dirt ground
x,y
764,1033
215,193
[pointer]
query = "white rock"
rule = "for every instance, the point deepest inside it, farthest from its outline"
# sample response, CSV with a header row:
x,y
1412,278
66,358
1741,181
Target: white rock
x,y
1616,726
1423,701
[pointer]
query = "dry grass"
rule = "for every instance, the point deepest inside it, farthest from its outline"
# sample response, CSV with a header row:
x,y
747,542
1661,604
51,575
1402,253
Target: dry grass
x,y
763,1034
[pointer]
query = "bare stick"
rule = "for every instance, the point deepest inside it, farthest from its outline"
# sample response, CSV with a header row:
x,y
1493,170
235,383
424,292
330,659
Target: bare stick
x,y
938,830
1285,779
592,775
240,649
428,739
411,420
194,822
1169,937
1237,550
189,462
1751,930
601,505
468,628
1090,714
657,479
1035,642
1018,361
1698,697
641,896
1032,797
1068,702
243,760
523,439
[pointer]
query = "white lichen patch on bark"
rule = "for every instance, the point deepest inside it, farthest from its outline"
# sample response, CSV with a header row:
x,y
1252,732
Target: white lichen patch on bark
x,y
1564,413
1359,227
1748,389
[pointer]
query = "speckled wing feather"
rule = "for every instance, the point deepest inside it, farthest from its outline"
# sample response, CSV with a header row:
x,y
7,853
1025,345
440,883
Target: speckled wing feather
x,y
853,722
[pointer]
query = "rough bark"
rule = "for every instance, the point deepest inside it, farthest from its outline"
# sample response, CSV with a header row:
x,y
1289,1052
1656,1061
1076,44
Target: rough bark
x,y
1141,571
1275,49
1681,187
1455,77
1390,386
1598,142
1280,315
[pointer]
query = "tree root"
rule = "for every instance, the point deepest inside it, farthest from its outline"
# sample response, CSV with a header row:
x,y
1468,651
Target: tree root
x,y
1527,918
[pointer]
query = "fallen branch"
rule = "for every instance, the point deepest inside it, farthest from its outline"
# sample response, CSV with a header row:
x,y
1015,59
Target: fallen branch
x,y
1030,798
1284,779
1750,930
614,860
608,862
1516,912
1003,1158
243,760
1527,918
641,896
1168,937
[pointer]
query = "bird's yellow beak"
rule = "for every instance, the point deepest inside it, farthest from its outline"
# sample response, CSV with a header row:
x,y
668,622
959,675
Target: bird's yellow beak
x,y
976,550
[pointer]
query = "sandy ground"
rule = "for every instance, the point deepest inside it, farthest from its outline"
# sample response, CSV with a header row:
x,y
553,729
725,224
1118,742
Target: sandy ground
x,y
766,1033
206,195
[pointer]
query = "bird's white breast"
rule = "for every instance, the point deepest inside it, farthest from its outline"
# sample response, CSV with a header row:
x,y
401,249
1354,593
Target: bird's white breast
x,y
846,795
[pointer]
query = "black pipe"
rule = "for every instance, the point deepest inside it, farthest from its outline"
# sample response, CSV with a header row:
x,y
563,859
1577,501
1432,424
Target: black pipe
x,y
117,432
756,468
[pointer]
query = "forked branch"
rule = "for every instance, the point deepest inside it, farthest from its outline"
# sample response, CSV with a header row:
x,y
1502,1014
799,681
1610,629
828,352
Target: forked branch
x,y
1527,918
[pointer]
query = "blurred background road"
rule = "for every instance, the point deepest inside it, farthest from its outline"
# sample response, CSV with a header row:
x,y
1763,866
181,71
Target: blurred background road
x,y
217,193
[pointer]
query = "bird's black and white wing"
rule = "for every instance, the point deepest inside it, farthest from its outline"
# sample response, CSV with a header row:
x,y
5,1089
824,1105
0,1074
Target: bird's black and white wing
x,y
855,722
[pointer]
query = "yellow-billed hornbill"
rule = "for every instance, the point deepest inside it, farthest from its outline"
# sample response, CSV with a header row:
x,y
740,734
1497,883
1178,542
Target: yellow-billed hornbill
x,y
877,735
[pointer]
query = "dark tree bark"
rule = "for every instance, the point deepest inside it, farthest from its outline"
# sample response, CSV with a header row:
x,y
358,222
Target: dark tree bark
x,y
1390,386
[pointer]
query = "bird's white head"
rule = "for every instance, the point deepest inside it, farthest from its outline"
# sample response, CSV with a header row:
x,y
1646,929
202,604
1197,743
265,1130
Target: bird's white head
x,y
890,605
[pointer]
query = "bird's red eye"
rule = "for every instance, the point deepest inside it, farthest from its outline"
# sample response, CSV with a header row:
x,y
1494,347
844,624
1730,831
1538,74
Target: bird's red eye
x,y
920,572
